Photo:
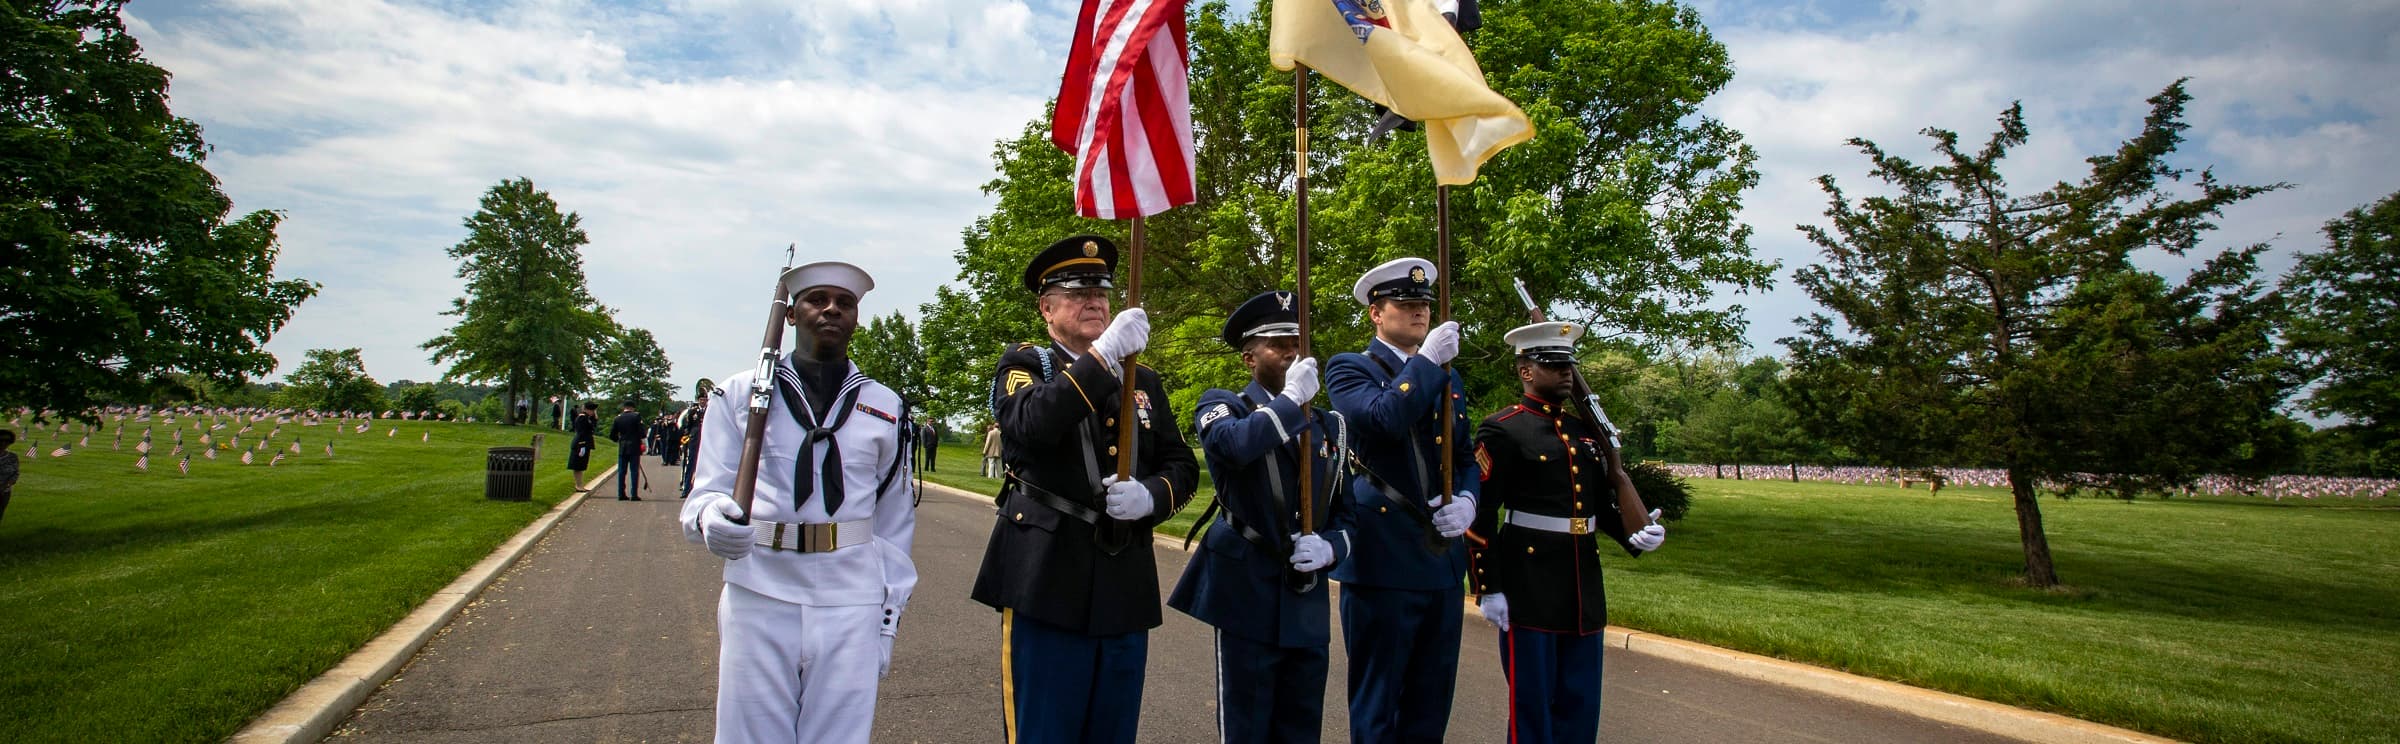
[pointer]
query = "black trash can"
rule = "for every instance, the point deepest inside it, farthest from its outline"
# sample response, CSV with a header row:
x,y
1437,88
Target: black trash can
x,y
509,474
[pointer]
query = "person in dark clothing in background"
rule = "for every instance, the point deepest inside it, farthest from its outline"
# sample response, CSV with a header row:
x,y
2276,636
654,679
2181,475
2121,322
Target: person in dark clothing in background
x,y
627,430
579,450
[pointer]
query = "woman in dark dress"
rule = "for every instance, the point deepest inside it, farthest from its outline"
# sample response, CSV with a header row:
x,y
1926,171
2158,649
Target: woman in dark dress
x,y
579,454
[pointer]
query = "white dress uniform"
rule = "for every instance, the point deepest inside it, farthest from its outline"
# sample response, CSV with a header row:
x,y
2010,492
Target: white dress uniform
x,y
804,636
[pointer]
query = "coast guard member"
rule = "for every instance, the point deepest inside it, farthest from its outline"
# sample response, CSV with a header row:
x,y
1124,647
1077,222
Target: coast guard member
x,y
1069,563
817,575
1537,569
1256,578
1402,593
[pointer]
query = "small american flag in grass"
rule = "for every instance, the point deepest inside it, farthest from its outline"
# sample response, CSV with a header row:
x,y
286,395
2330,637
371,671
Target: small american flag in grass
x,y
142,463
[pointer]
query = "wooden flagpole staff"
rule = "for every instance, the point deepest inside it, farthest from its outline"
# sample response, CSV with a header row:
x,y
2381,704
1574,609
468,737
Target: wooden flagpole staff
x,y
1303,582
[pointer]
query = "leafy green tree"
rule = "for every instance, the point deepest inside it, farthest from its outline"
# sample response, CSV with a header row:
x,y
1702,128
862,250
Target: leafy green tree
x,y
419,397
1985,326
887,349
1620,211
528,320
124,270
332,380
631,366
2345,327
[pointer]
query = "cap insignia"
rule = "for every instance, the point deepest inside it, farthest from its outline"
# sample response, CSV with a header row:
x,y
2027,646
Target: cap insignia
x,y
1285,298
1417,274
1091,248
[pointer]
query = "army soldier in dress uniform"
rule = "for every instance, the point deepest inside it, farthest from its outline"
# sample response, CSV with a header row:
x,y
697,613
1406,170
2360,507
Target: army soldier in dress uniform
x,y
818,573
1256,578
1537,568
1069,564
1402,593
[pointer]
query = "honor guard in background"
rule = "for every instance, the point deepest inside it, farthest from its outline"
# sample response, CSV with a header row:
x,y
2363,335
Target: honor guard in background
x,y
819,571
1069,564
1536,569
1402,588
690,422
1256,578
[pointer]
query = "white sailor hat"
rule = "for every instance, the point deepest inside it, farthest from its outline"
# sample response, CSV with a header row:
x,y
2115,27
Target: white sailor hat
x,y
1397,279
826,274
1546,342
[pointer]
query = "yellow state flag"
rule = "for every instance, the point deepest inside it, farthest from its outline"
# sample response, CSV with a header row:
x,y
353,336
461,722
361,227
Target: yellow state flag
x,y
1411,61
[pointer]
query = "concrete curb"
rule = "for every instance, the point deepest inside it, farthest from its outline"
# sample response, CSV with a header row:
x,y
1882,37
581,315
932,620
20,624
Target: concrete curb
x,y
310,713
1956,710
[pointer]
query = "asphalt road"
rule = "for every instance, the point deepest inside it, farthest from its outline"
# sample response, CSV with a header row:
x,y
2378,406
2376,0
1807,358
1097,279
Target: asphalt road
x,y
606,633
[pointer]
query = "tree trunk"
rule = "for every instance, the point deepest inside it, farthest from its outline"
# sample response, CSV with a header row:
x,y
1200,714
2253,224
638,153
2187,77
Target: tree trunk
x,y
2039,572
1795,472
1720,471
1737,471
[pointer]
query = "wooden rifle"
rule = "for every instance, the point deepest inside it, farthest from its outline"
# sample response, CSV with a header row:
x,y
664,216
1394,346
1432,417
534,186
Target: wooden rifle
x,y
1587,404
762,394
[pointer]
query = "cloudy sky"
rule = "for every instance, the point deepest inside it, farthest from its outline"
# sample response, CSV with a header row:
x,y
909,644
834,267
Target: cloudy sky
x,y
698,137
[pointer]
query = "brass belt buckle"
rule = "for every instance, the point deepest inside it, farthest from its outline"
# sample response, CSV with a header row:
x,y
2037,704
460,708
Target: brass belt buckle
x,y
817,538
1579,525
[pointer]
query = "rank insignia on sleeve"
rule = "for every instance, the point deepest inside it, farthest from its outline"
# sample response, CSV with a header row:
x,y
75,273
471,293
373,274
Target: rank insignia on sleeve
x,y
1483,460
1017,378
1213,413
1404,387
870,410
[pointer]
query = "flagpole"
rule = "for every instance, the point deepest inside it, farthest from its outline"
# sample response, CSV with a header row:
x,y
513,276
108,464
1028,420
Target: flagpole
x,y
1441,242
1308,500
1128,385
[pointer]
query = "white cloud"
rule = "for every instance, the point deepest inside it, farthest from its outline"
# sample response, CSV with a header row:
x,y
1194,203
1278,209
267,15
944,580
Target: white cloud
x,y
698,137
377,125
2305,94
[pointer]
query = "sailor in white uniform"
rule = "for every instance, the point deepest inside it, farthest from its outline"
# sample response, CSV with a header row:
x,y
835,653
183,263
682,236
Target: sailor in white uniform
x,y
818,572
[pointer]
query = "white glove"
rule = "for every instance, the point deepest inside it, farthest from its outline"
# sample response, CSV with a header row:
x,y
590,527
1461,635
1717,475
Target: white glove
x,y
1648,538
1453,520
710,519
1300,382
1441,345
885,667
1129,334
1127,500
1495,608
1310,553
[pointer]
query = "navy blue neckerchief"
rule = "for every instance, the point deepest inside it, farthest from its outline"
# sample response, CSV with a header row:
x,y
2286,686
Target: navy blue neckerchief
x,y
804,474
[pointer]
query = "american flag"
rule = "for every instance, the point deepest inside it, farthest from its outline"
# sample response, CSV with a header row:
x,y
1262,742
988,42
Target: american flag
x,y
142,446
392,431
185,465
1124,109
142,463
328,449
63,450
245,457
426,437
295,446
276,460
209,453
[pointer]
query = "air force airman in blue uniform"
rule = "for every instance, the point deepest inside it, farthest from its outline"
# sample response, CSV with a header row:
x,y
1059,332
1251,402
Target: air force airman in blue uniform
x,y
1069,563
1402,587
1258,575
1537,567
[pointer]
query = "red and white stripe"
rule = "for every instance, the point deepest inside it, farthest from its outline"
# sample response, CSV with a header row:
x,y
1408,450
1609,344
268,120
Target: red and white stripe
x,y
1124,109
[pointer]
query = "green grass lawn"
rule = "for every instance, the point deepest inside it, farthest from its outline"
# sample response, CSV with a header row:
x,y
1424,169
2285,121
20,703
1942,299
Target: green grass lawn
x,y
2210,619
152,606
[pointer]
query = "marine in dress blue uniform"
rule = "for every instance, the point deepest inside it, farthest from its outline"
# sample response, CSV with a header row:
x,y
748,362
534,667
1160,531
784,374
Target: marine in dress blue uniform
x,y
1069,563
1402,588
1256,578
1550,483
